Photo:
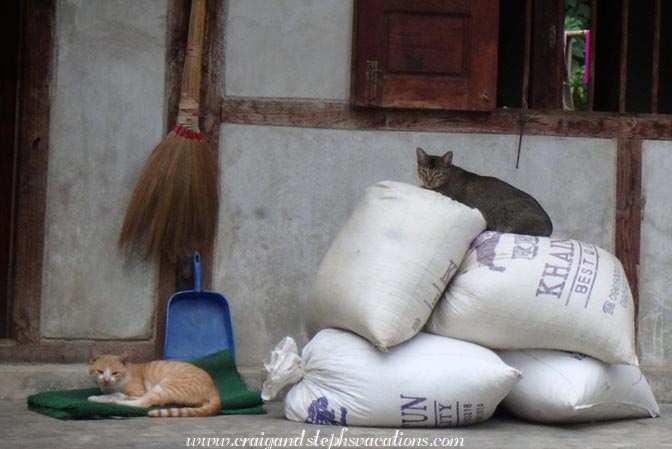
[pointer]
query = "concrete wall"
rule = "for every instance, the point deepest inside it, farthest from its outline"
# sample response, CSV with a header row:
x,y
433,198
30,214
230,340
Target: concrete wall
x,y
655,310
288,48
107,115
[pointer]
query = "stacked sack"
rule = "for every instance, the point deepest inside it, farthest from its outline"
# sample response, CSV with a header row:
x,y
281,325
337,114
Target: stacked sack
x,y
391,262
368,362
566,387
428,381
517,291
524,295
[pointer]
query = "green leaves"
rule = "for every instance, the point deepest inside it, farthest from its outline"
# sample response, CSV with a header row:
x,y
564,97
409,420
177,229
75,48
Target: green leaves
x,y
578,89
577,17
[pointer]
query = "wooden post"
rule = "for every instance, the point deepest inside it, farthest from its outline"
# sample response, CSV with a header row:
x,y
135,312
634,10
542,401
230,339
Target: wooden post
x,y
33,160
629,210
547,54
177,276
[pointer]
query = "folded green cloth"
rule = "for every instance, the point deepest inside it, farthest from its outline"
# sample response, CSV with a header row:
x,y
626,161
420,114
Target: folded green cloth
x,y
73,404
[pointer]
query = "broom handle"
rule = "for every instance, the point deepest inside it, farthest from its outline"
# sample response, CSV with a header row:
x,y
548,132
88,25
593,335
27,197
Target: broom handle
x,y
187,116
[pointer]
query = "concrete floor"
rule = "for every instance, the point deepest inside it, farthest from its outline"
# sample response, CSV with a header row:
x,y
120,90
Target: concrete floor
x,y
21,428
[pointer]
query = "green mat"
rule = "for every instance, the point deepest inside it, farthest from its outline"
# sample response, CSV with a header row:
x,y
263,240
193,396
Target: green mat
x,y
73,404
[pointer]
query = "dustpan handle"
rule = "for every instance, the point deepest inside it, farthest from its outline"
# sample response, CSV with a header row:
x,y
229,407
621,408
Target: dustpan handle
x,y
196,268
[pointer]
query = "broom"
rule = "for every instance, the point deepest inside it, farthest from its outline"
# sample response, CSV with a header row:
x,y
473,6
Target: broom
x,y
174,205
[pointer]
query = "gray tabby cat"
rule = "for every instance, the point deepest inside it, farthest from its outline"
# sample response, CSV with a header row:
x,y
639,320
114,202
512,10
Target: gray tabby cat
x,y
505,208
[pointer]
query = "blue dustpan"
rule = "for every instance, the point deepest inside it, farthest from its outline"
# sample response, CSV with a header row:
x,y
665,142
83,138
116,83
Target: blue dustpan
x,y
197,322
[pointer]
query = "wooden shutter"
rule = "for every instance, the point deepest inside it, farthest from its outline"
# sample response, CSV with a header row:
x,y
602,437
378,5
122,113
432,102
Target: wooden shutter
x,y
432,54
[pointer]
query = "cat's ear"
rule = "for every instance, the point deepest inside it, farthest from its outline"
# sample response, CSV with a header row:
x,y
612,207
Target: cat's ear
x,y
447,158
95,355
422,156
124,358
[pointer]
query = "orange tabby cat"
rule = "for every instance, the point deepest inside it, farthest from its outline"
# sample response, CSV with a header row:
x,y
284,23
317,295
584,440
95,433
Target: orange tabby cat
x,y
156,383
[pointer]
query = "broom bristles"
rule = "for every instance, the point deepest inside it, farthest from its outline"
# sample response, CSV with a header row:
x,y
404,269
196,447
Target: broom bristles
x,y
174,206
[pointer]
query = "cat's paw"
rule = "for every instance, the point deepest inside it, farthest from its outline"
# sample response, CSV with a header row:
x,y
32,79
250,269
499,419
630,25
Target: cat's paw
x,y
107,397
129,402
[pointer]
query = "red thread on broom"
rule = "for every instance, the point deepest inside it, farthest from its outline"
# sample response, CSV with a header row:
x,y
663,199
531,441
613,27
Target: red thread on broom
x,y
187,133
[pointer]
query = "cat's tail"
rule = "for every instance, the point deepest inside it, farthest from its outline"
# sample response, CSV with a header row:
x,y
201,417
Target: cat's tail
x,y
209,408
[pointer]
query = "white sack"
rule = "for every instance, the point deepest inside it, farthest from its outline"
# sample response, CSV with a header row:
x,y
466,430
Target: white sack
x,y
559,387
515,291
390,263
428,381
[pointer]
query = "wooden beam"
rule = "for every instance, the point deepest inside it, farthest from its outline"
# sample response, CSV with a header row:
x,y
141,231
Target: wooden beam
x,y
339,115
33,160
629,210
212,85
177,25
177,276
69,351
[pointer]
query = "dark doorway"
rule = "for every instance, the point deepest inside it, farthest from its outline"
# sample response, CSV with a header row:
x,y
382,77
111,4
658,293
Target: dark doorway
x,y
10,31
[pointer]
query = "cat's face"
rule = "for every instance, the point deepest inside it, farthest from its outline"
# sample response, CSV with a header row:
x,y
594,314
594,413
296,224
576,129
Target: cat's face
x,y
108,371
433,171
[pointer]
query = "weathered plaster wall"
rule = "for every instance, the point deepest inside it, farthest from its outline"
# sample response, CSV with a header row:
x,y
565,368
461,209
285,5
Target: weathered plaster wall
x,y
288,48
286,192
107,115
655,309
